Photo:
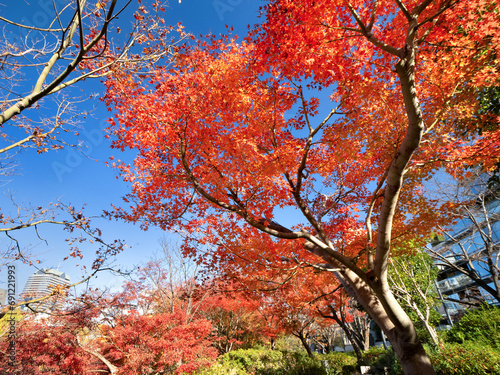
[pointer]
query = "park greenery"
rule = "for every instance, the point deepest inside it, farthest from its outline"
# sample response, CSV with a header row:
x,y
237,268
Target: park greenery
x,y
175,341
293,163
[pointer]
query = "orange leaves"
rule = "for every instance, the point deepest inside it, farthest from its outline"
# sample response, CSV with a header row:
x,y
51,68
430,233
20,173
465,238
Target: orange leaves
x,y
235,145
484,150
186,134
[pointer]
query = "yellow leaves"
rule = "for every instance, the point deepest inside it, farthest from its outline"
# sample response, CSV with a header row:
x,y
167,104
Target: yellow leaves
x,y
59,290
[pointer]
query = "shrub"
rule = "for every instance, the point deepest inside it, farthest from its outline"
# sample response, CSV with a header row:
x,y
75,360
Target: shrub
x,y
465,359
260,361
339,362
299,363
380,359
220,368
289,343
373,353
255,360
479,325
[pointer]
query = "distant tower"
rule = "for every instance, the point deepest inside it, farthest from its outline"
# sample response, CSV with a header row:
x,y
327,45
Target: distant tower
x,y
41,284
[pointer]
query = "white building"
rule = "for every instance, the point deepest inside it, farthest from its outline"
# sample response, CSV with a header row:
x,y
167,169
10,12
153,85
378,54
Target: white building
x,y
41,284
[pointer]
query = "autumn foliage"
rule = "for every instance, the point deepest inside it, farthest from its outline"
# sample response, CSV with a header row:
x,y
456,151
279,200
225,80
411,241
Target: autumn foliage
x,y
106,334
235,319
141,344
48,346
156,323
335,111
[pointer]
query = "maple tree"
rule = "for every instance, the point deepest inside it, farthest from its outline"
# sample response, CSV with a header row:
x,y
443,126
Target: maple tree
x,y
291,296
340,313
51,345
310,139
360,327
235,318
163,343
326,338
90,338
298,302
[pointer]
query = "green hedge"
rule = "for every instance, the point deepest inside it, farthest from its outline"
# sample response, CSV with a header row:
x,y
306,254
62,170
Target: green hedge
x,y
260,361
468,358
339,362
479,325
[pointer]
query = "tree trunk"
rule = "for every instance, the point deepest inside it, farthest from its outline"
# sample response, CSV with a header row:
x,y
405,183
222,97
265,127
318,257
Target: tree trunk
x,y
378,301
113,370
366,341
397,326
360,328
347,332
303,340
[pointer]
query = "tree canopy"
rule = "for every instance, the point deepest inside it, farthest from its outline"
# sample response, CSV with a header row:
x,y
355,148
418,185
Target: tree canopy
x,y
310,138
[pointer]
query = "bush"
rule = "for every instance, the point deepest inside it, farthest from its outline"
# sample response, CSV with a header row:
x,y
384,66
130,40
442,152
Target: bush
x,y
299,363
339,362
468,358
255,360
265,362
371,355
220,368
479,325
380,359
465,359
289,344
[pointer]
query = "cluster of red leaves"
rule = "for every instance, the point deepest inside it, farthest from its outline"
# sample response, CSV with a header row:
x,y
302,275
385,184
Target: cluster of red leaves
x,y
235,317
48,345
221,135
141,344
152,326
86,340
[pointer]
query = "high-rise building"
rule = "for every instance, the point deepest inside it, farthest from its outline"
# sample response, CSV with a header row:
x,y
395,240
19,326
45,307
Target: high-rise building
x,y
41,284
470,248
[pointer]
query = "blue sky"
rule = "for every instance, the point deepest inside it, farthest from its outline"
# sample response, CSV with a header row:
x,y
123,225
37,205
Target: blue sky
x,y
78,180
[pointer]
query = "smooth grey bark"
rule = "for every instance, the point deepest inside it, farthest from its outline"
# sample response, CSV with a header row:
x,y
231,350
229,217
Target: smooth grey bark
x,y
381,305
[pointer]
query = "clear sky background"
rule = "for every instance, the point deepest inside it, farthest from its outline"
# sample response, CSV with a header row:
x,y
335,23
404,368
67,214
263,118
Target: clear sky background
x,y
79,180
